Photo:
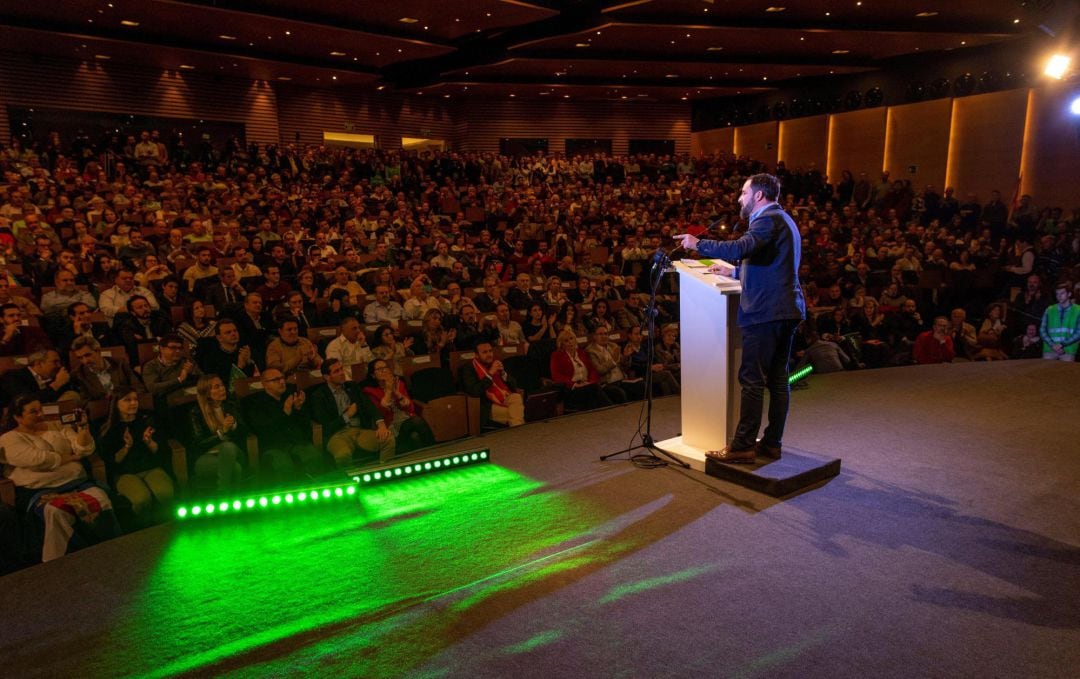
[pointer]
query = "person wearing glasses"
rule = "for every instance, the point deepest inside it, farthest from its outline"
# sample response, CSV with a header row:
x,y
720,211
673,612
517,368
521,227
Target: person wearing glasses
x,y
170,371
351,422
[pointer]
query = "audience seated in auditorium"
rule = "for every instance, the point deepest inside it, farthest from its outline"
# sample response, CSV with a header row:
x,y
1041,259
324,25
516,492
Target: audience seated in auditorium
x,y
135,454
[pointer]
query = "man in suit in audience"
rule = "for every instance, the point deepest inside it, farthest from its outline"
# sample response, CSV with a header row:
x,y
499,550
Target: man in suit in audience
x,y
253,327
350,421
224,294
44,375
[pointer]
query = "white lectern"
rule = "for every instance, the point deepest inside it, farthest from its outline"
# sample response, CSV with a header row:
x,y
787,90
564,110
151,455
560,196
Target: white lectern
x,y
711,354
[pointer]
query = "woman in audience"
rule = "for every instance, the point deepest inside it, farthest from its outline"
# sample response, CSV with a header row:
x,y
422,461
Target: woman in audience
x,y
834,325
567,318
297,308
307,288
537,279
387,391
990,335
583,292
669,352
873,334
151,271
600,315
135,454
385,345
554,295
45,463
433,338
196,325
572,368
213,449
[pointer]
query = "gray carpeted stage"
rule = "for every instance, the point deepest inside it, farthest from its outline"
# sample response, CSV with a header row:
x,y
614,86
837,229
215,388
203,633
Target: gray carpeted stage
x,y
949,545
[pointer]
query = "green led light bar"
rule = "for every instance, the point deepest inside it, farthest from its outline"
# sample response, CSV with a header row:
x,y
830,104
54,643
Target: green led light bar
x,y
416,468
265,502
800,374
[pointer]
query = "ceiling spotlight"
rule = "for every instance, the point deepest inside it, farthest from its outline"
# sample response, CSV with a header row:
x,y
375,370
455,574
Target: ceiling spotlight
x,y
683,98
408,20
843,51
512,95
187,67
581,44
566,96
381,88
1058,66
284,77
1074,107
103,57
1016,21
713,49
775,9
333,77
227,37
923,15
672,75
337,54
128,22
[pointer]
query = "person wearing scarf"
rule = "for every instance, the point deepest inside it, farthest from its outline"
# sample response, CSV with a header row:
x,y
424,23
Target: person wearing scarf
x,y
485,378
398,410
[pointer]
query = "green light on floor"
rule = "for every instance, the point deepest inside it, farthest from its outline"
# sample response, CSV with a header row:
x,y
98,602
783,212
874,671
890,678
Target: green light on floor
x,y
236,505
408,470
474,457
250,503
223,506
263,502
800,374
397,472
289,498
196,510
339,492
302,496
326,493
314,495
483,455
182,512
367,478
351,490
276,500
427,465
378,475
209,509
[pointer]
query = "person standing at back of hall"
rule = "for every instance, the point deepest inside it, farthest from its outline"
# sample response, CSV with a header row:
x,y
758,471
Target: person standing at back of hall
x,y
770,310
1060,327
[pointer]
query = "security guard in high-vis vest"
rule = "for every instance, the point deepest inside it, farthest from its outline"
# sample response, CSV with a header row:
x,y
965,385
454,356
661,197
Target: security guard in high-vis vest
x,y
1061,326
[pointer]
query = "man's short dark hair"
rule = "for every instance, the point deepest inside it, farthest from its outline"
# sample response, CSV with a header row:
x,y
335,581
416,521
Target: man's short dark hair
x,y
768,184
7,307
479,342
328,364
73,308
131,301
170,338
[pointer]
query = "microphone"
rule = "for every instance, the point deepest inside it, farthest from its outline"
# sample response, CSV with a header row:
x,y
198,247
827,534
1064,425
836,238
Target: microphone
x,y
660,259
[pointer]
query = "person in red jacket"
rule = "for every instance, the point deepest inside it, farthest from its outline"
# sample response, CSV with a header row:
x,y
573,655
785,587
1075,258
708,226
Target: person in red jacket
x,y
572,368
387,391
934,346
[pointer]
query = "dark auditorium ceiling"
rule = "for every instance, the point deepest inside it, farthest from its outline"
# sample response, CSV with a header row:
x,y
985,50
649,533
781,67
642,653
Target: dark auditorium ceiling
x,y
653,50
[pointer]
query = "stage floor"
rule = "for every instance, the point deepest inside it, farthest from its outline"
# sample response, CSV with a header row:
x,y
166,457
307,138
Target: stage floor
x,y
949,545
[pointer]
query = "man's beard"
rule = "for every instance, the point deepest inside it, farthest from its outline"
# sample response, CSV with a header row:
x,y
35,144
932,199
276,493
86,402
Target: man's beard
x,y
745,211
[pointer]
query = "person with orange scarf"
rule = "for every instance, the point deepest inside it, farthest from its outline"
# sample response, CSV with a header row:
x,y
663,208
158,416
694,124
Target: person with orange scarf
x,y
486,378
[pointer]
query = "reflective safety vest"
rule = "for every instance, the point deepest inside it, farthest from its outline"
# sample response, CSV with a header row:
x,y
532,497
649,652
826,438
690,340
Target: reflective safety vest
x,y
1060,326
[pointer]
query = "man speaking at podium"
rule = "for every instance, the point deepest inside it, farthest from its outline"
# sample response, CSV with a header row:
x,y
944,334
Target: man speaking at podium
x,y
770,310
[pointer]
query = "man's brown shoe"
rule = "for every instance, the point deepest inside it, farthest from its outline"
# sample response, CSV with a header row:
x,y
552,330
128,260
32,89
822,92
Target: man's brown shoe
x,y
765,450
744,456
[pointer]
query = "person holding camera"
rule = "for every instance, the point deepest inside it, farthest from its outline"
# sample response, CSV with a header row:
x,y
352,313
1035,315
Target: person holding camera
x,y
45,462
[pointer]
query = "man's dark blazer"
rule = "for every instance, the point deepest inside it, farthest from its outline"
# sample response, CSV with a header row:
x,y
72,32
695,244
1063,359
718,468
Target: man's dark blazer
x,y
22,381
324,409
768,255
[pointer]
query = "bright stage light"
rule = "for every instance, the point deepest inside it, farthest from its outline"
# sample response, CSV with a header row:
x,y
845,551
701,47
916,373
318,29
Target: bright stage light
x,y
1074,107
1058,66
800,374
368,477
265,503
